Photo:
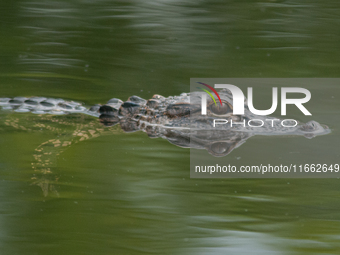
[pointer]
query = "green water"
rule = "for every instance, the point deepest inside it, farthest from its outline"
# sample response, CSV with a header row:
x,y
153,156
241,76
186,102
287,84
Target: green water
x,y
124,193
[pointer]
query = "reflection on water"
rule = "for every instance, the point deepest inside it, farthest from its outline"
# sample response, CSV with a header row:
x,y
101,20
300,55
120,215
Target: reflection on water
x,y
126,194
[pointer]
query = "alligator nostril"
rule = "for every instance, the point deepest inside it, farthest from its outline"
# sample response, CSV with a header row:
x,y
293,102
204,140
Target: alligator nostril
x,y
311,128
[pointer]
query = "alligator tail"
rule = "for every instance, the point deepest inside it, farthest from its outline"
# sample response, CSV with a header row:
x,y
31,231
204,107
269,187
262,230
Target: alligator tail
x,y
43,105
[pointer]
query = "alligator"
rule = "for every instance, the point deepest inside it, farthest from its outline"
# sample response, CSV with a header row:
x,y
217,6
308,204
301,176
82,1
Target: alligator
x,y
177,119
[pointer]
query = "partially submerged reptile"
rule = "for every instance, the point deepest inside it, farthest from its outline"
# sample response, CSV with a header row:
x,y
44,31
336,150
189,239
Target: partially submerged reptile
x,y
177,119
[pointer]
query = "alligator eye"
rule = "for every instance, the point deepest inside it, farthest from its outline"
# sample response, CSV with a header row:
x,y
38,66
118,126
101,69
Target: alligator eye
x,y
220,109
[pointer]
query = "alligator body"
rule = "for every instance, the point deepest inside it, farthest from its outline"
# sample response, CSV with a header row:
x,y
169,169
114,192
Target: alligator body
x,y
177,119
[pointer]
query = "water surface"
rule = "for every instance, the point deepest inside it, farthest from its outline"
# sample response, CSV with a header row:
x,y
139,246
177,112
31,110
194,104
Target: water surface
x,y
124,193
